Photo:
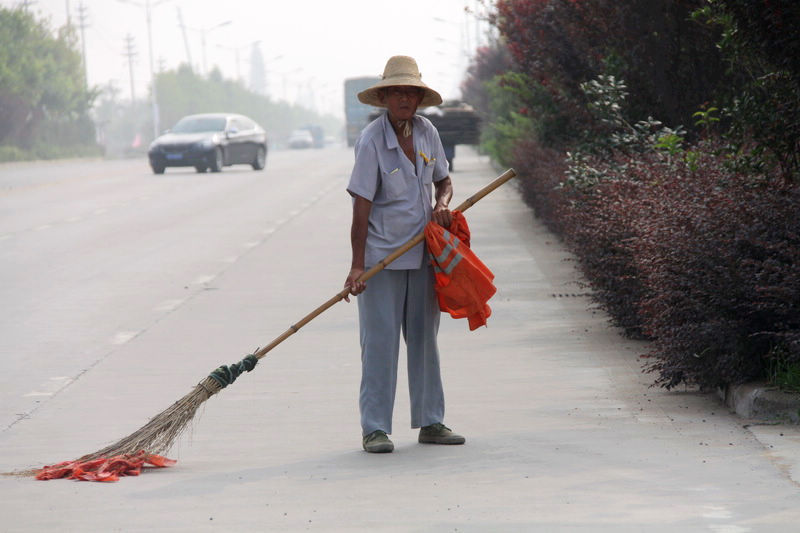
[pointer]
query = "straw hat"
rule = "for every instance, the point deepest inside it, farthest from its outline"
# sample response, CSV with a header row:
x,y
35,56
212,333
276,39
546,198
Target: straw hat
x,y
400,70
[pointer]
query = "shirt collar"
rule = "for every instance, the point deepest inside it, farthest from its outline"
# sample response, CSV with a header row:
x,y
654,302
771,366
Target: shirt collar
x,y
388,131
391,140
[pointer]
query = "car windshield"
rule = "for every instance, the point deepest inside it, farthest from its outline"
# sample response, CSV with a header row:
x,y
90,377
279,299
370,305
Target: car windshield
x,y
199,124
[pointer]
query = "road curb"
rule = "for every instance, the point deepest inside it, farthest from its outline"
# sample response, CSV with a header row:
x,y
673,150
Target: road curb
x,y
760,401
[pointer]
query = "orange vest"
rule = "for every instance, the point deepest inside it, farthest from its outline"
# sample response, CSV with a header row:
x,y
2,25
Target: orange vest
x,y
463,282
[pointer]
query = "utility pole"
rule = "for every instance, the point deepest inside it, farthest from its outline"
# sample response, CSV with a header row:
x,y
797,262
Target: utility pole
x,y
203,32
147,10
82,23
156,117
130,53
185,39
477,27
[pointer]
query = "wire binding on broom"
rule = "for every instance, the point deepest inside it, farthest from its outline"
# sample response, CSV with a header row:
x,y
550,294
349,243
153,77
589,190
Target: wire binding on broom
x,y
158,435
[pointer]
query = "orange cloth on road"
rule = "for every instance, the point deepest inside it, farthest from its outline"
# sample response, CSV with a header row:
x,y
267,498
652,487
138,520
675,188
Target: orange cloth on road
x,y
463,282
104,468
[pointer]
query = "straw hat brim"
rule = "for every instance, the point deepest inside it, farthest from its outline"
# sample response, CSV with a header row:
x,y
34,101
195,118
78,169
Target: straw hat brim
x,y
370,96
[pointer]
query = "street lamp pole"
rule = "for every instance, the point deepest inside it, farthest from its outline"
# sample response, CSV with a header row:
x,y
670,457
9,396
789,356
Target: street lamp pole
x,y
267,70
148,10
203,32
156,114
237,52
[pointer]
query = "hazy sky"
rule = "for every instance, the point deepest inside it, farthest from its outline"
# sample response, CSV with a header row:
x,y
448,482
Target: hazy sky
x,y
309,46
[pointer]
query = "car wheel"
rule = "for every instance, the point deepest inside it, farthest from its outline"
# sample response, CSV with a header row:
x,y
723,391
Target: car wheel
x,y
157,169
200,169
217,162
261,159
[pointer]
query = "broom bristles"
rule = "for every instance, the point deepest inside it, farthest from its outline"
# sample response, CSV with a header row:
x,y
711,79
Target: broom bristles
x,y
160,433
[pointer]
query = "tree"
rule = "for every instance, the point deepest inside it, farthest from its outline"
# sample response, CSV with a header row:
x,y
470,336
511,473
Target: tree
x,y
669,61
489,61
41,79
182,92
761,47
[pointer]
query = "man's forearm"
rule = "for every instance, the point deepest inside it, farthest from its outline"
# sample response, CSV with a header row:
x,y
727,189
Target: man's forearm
x,y
358,230
444,192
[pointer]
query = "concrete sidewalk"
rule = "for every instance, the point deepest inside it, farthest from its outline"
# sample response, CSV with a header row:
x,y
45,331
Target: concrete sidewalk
x,y
564,432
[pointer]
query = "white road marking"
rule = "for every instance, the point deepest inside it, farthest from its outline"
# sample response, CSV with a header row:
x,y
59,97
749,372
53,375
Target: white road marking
x,y
168,305
728,528
44,226
201,280
251,244
100,211
716,512
123,336
231,259
49,387
73,219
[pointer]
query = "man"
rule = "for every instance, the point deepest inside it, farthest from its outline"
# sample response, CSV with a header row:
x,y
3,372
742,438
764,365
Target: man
x,y
399,159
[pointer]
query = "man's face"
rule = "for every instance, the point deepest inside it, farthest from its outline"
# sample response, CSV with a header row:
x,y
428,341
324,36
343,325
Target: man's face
x,y
401,101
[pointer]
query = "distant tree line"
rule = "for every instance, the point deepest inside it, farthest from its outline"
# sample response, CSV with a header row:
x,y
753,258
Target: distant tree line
x,y
660,140
47,111
44,102
128,128
181,92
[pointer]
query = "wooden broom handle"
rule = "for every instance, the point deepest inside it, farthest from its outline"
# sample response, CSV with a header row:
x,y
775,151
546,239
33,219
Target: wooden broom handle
x,y
466,204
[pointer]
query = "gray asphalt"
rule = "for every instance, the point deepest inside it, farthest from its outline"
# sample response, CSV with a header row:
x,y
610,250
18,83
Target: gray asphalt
x,y
122,290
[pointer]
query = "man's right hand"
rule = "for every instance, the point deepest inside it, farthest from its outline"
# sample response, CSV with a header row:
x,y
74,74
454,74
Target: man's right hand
x,y
356,287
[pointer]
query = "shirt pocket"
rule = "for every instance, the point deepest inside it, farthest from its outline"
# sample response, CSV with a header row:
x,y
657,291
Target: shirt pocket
x,y
393,179
428,166
427,173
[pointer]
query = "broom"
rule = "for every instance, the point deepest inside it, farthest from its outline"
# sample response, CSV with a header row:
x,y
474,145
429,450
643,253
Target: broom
x,y
158,435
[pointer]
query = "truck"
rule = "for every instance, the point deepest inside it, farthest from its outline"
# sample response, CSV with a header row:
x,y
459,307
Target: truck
x,y
456,121
356,114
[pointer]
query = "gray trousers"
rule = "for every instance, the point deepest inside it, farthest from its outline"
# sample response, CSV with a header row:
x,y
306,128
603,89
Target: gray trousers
x,y
395,302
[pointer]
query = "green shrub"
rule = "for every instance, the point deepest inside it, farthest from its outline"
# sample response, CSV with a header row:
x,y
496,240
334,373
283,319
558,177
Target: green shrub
x,y
12,153
45,151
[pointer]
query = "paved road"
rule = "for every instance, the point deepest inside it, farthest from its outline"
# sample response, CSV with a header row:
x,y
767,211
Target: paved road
x,y
121,290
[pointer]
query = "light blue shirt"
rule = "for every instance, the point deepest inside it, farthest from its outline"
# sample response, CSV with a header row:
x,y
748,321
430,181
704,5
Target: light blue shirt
x,y
401,192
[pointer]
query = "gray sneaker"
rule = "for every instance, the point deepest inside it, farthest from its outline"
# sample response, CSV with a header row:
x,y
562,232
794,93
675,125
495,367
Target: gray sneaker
x,y
377,442
439,434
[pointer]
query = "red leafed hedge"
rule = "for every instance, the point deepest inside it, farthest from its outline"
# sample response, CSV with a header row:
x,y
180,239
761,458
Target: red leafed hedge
x,y
704,261
719,260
